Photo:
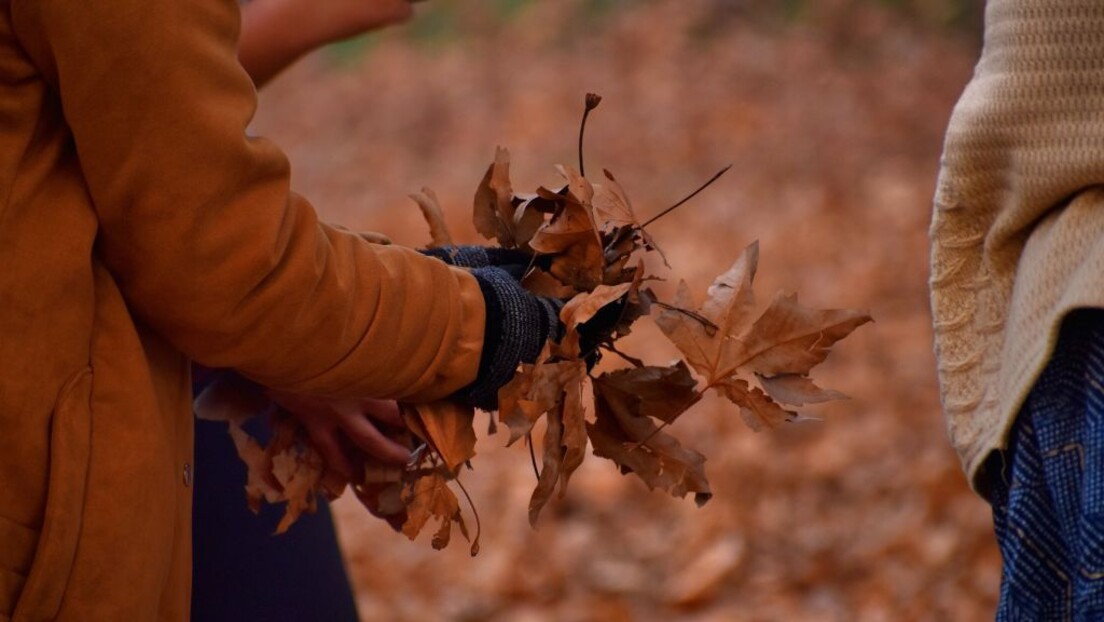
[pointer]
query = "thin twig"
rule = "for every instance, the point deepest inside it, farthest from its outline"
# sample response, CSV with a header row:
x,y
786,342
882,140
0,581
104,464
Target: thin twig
x,y
688,197
633,360
592,101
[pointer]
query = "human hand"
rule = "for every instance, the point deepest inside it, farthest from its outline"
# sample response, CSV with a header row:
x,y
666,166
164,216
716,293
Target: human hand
x,y
347,431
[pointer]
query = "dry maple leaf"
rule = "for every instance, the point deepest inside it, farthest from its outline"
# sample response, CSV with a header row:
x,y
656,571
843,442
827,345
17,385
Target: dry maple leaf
x,y
615,214
431,210
624,433
428,496
497,213
582,308
572,237
565,434
535,390
719,339
299,472
447,427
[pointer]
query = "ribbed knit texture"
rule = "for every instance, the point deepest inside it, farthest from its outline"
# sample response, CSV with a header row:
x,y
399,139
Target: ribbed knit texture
x,y
1018,226
479,256
518,323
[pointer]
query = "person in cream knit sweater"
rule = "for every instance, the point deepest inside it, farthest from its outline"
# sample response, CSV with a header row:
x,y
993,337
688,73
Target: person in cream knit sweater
x,y
1017,284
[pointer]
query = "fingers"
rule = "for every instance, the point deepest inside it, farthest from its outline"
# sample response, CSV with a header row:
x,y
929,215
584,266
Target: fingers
x,y
367,437
386,411
327,443
328,420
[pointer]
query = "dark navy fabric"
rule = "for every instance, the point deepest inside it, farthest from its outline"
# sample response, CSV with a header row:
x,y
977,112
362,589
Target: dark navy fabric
x,y
1047,488
240,571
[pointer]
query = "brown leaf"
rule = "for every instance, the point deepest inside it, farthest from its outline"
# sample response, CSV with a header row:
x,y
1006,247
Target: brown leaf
x,y
429,496
719,340
434,217
550,465
611,205
449,429
554,390
662,393
579,189
700,346
493,212
797,390
260,483
572,236
574,241
528,219
580,266
757,409
574,436
582,308
638,446
383,501
541,283
535,390
615,215
298,471
730,299
792,339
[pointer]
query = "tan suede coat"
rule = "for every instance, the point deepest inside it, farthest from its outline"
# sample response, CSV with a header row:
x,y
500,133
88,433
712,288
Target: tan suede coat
x,y
141,228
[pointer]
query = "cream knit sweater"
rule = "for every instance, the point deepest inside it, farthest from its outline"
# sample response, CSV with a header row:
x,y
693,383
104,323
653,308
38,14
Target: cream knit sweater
x,y
1018,226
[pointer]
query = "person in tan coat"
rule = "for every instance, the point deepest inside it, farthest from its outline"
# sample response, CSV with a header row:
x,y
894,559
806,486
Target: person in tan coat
x,y
1017,288
142,229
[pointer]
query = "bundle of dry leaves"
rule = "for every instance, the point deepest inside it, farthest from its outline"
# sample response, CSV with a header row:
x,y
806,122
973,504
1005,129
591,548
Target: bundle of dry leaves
x,y
587,242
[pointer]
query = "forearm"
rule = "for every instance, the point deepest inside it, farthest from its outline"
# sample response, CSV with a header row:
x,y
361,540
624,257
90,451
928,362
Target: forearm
x,y
275,33
272,38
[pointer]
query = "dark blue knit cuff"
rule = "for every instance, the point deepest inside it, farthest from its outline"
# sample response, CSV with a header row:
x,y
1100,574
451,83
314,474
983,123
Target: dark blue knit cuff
x,y
518,323
479,256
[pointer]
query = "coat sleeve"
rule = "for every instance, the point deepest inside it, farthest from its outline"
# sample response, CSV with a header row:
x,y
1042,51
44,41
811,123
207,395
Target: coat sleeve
x,y
199,226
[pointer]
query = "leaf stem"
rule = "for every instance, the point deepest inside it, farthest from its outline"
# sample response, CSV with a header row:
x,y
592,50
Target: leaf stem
x,y
532,455
687,198
592,101
475,513
688,313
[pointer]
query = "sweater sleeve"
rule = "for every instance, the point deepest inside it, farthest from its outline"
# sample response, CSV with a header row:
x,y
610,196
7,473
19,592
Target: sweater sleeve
x,y
199,226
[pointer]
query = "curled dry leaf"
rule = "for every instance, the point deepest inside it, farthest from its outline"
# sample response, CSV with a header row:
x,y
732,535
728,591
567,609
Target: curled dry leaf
x,y
622,433
614,213
299,472
565,433
582,308
434,217
447,427
535,390
428,496
797,390
500,215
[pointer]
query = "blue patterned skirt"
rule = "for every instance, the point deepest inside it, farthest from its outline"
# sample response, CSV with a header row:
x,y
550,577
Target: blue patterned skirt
x,y
1047,488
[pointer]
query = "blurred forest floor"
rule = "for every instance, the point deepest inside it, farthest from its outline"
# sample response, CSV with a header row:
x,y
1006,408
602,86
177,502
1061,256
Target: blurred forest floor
x,y
833,118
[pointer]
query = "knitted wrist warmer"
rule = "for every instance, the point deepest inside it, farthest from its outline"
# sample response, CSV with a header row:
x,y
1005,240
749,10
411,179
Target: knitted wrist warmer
x,y
478,256
518,323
